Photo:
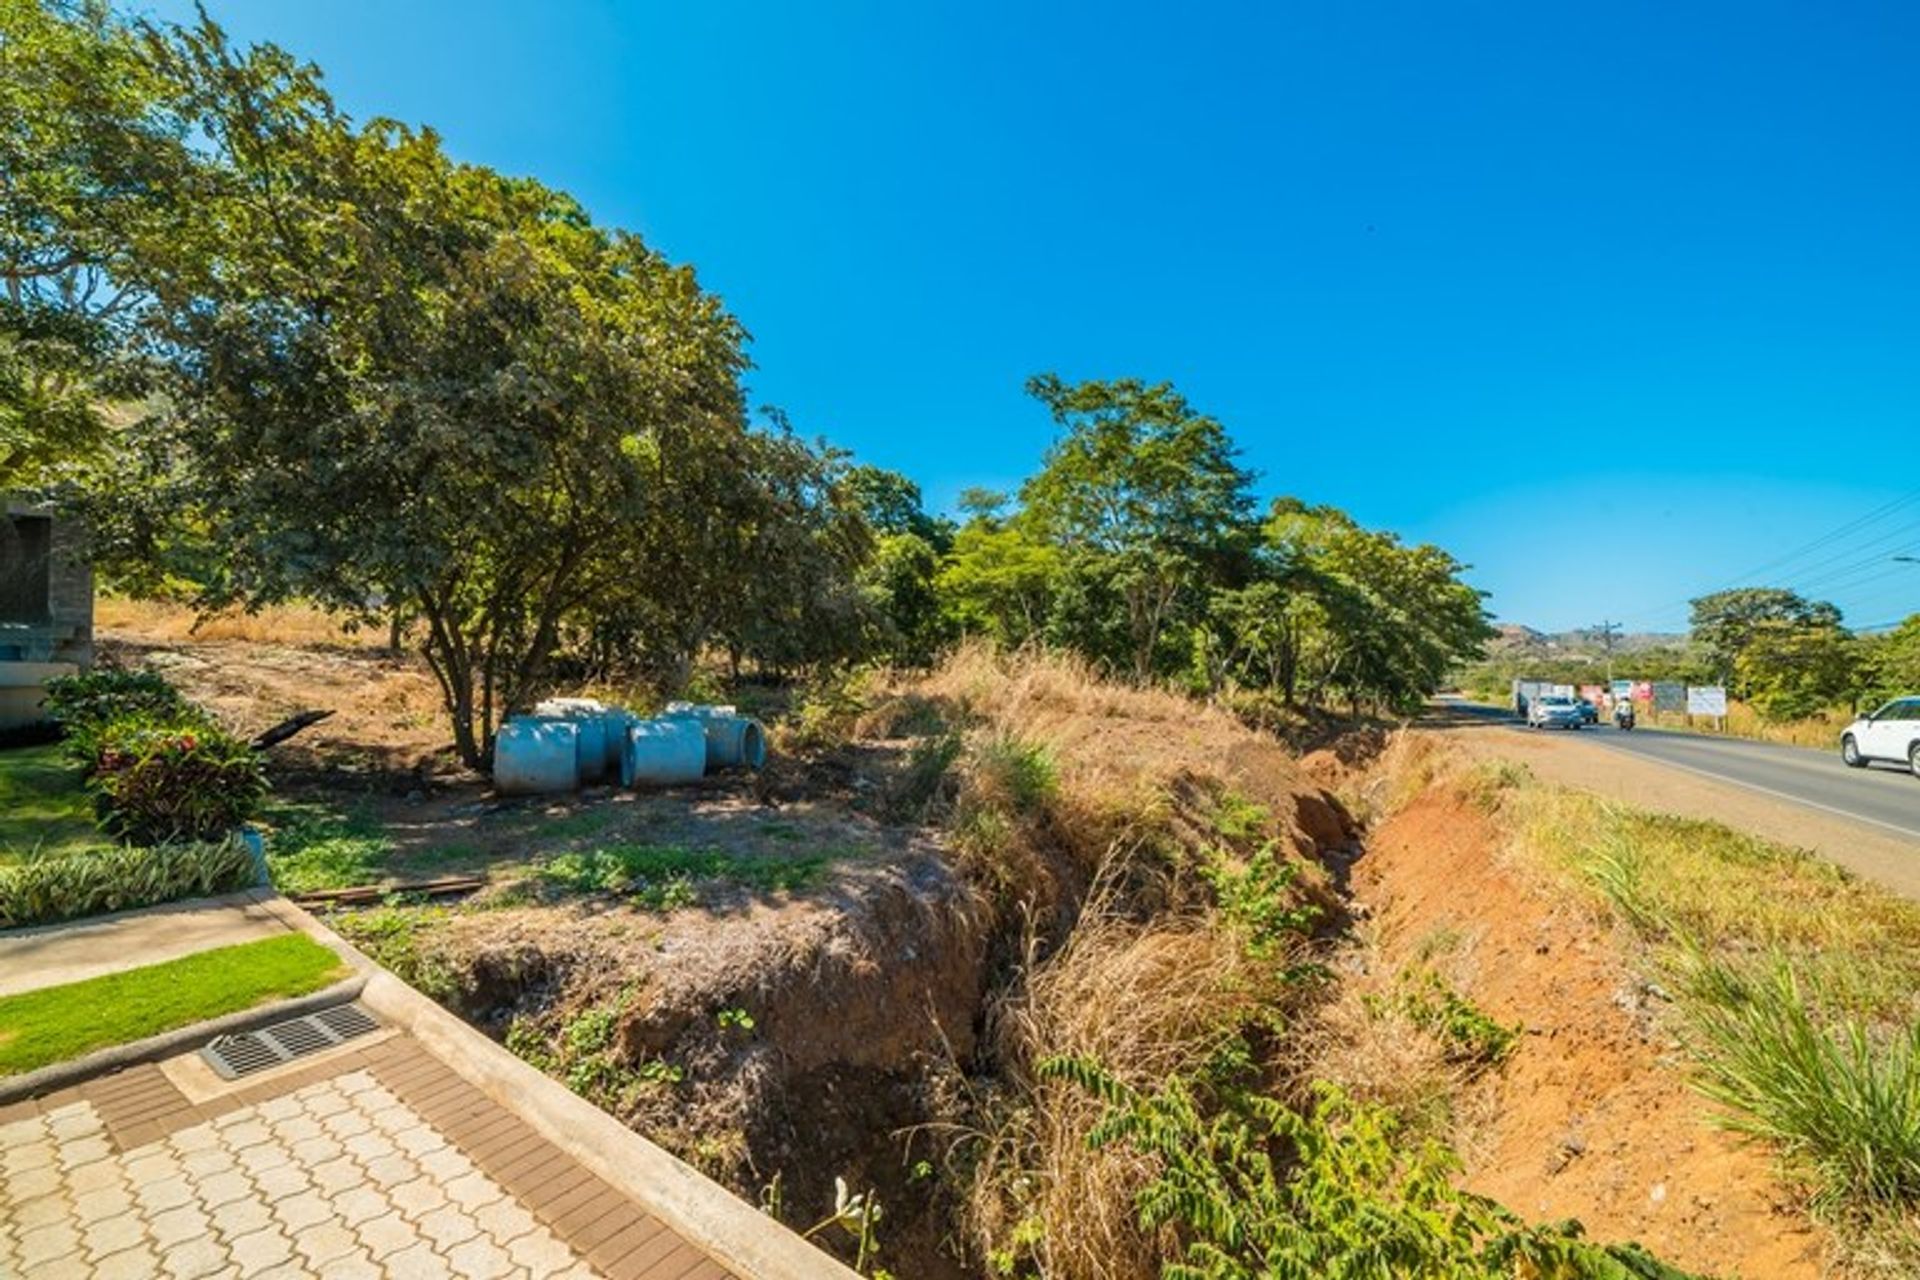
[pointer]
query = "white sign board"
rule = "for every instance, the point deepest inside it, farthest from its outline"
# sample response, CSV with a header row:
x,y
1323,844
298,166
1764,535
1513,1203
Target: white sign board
x,y
1560,690
1706,700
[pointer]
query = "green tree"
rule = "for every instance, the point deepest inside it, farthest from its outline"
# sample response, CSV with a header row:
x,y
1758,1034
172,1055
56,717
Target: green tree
x,y
1143,494
999,580
401,382
92,164
1725,622
1793,669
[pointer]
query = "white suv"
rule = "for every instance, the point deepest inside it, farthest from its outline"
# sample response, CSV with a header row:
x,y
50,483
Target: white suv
x,y
1891,733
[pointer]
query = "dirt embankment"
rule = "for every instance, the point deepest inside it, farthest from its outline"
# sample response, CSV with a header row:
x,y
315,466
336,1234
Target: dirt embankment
x,y
1591,1118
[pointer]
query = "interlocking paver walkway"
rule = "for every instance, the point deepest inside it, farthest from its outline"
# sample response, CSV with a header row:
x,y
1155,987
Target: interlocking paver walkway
x,y
338,1179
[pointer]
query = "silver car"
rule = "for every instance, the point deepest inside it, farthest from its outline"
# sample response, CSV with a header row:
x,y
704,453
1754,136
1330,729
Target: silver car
x,y
1554,711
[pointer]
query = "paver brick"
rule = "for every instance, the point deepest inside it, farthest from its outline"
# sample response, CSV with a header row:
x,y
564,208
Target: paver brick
x,y
480,1259
222,1188
417,1198
72,1155
40,1211
137,1263
111,1235
417,1262
44,1246
157,1195
265,1248
184,1222
193,1259
446,1227
323,1242
504,1221
32,1183
264,1157
110,1201
302,1209
336,1175
357,1205
389,1233
242,1217
278,1183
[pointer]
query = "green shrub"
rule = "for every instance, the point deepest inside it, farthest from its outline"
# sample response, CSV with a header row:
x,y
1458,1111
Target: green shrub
x,y
42,890
85,705
154,783
95,697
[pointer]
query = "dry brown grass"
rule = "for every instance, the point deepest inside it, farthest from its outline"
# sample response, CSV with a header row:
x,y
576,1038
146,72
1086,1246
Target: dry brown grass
x,y
1148,1003
296,626
1126,757
1149,978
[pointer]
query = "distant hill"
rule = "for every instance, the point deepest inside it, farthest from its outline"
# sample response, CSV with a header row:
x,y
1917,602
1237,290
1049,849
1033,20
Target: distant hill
x,y
1513,639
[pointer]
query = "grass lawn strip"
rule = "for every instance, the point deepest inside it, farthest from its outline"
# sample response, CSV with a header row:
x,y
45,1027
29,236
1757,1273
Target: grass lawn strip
x,y
43,805
54,1024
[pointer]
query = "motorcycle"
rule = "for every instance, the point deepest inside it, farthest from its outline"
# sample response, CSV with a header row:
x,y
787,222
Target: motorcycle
x,y
1623,717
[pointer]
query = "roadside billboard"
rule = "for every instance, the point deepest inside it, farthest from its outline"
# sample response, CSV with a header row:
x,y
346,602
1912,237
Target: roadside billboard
x,y
1622,690
1643,691
1669,695
1706,700
1560,690
1593,692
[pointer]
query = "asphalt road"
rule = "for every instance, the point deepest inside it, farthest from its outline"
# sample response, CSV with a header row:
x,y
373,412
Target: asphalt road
x,y
1886,796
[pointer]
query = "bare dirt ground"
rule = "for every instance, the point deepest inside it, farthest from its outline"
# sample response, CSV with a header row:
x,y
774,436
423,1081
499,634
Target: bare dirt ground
x,y
1589,1118
864,990
1571,760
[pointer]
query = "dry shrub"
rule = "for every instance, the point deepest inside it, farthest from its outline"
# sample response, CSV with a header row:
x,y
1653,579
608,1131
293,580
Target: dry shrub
x,y
1148,1003
1371,1047
1122,753
162,621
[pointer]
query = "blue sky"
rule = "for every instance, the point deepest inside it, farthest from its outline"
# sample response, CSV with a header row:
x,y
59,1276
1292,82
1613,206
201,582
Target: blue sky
x,y
1616,302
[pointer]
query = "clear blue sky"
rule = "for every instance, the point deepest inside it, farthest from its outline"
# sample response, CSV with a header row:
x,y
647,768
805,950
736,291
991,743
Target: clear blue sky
x,y
1616,302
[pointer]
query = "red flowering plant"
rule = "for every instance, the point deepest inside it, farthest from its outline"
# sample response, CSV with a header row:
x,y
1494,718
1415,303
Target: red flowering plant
x,y
158,781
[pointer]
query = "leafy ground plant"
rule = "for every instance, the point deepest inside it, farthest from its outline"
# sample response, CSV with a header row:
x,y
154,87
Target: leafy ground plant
x,y
662,877
118,878
312,847
1350,1201
54,1024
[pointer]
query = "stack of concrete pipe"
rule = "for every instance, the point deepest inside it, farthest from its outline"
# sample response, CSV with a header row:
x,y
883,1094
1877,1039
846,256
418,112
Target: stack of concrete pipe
x,y
567,743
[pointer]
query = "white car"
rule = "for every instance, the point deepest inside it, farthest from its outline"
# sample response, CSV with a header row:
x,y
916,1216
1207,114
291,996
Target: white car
x,y
1891,733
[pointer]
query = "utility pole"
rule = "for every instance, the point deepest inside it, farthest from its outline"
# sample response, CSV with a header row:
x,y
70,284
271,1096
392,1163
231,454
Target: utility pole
x,y
1605,632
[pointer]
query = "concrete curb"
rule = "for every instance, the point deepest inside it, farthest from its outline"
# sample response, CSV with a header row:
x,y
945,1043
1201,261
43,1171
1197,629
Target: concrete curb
x,y
702,1211
169,1043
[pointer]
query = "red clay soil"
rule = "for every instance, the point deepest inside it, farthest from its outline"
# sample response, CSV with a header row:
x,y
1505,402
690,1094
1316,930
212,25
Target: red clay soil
x,y
1591,1118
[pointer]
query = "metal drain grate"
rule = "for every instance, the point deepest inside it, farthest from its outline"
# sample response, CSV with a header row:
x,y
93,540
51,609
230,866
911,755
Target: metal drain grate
x,y
250,1051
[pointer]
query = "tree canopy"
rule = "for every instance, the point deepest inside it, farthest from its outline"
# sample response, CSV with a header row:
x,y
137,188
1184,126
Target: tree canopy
x,y
277,353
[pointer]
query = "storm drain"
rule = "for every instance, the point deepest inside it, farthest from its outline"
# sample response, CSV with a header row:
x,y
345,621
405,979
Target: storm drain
x,y
250,1051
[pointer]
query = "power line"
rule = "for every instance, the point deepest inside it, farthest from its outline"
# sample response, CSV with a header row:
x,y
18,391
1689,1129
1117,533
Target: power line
x,y
1827,539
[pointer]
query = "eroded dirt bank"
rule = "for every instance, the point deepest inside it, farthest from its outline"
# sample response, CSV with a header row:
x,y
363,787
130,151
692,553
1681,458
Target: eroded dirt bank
x,y
1591,1117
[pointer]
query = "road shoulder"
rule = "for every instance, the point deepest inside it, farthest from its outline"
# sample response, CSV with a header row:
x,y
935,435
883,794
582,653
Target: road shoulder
x,y
1571,760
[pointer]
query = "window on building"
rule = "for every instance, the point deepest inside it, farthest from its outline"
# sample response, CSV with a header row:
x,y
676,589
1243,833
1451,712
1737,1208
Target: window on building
x,y
26,552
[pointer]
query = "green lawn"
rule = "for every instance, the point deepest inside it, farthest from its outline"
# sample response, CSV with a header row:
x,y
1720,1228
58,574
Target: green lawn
x,y
43,805
58,1023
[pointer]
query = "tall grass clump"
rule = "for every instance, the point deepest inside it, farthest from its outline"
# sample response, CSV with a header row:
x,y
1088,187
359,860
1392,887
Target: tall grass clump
x,y
1839,1102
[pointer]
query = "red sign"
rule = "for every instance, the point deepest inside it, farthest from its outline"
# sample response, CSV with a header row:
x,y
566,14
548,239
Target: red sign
x,y
1593,692
1643,691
